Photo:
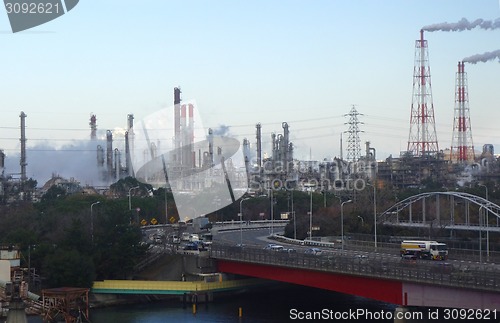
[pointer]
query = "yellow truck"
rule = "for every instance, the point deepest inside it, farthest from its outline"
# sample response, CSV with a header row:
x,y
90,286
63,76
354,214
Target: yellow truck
x,y
424,249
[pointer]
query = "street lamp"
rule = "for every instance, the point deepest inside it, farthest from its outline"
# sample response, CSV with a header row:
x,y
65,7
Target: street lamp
x,y
92,220
342,221
294,221
487,224
241,221
129,197
310,208
272,211
374,212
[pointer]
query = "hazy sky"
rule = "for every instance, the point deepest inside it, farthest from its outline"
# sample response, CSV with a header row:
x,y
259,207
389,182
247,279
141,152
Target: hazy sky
x,y
244,62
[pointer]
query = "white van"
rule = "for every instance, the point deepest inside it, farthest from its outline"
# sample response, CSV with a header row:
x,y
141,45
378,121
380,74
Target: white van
x,y
274,247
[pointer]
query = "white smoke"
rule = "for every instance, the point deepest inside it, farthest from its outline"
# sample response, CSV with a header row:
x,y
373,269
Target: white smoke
x,y
77,160
488,56
221,130
464,24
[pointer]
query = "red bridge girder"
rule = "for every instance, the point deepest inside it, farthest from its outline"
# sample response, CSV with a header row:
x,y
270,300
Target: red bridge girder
x,y
374,288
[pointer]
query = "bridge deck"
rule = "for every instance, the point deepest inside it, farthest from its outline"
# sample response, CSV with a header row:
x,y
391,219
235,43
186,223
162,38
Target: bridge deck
x,y
380,277
169,287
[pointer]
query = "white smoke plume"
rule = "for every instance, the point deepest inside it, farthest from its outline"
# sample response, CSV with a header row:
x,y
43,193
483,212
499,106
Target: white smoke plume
x,y
464,24
488,56
222,130
76,160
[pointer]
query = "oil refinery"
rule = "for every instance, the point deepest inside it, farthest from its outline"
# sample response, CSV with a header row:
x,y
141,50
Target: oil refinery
x,y
162,151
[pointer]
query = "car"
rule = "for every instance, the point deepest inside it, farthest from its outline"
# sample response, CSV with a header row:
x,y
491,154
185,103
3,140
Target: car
x,y
174,239
313,251
190,246
274,247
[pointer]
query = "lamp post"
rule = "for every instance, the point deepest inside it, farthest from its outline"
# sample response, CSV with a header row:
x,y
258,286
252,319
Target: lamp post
x,y
342,221
310,215
166,206
374,212
310,186
272,211
241,221
92,220
294,221
487,224
129,197
480,234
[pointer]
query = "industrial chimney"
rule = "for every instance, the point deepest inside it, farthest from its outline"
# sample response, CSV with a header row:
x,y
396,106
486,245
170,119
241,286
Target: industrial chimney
x,y
422,140
462,148
23,162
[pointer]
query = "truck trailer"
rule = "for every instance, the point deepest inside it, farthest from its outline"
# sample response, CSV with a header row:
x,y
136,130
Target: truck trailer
x,y
425,249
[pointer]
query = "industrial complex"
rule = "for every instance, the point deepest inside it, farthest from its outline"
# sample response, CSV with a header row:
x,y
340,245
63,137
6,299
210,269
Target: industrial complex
x,y
175,160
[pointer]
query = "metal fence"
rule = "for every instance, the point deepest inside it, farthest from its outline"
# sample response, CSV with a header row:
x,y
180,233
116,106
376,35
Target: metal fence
x,y
463,275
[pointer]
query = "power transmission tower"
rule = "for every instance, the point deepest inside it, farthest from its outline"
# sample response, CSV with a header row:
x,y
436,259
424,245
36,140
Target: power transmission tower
x,y
353,142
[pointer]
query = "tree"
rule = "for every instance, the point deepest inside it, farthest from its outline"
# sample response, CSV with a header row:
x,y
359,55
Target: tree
x,y
68,268
53,193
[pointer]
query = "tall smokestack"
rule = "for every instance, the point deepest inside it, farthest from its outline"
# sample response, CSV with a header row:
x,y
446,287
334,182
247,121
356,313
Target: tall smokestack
x,y
184,148
422,140
246,155
286,142
130,121
109,153
128,159
259,147
23,162
191,134
462,148
191,123
93,127
129,144
211,146
177,123
117,164
2,162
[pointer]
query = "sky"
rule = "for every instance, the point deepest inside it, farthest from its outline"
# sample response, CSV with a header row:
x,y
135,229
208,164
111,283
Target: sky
x,y
243,62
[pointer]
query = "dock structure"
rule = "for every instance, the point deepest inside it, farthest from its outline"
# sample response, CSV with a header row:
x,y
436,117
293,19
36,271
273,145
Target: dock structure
x,y
70,304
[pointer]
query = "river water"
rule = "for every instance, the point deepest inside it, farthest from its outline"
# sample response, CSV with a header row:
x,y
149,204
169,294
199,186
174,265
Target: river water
x,y
287,303
284,304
